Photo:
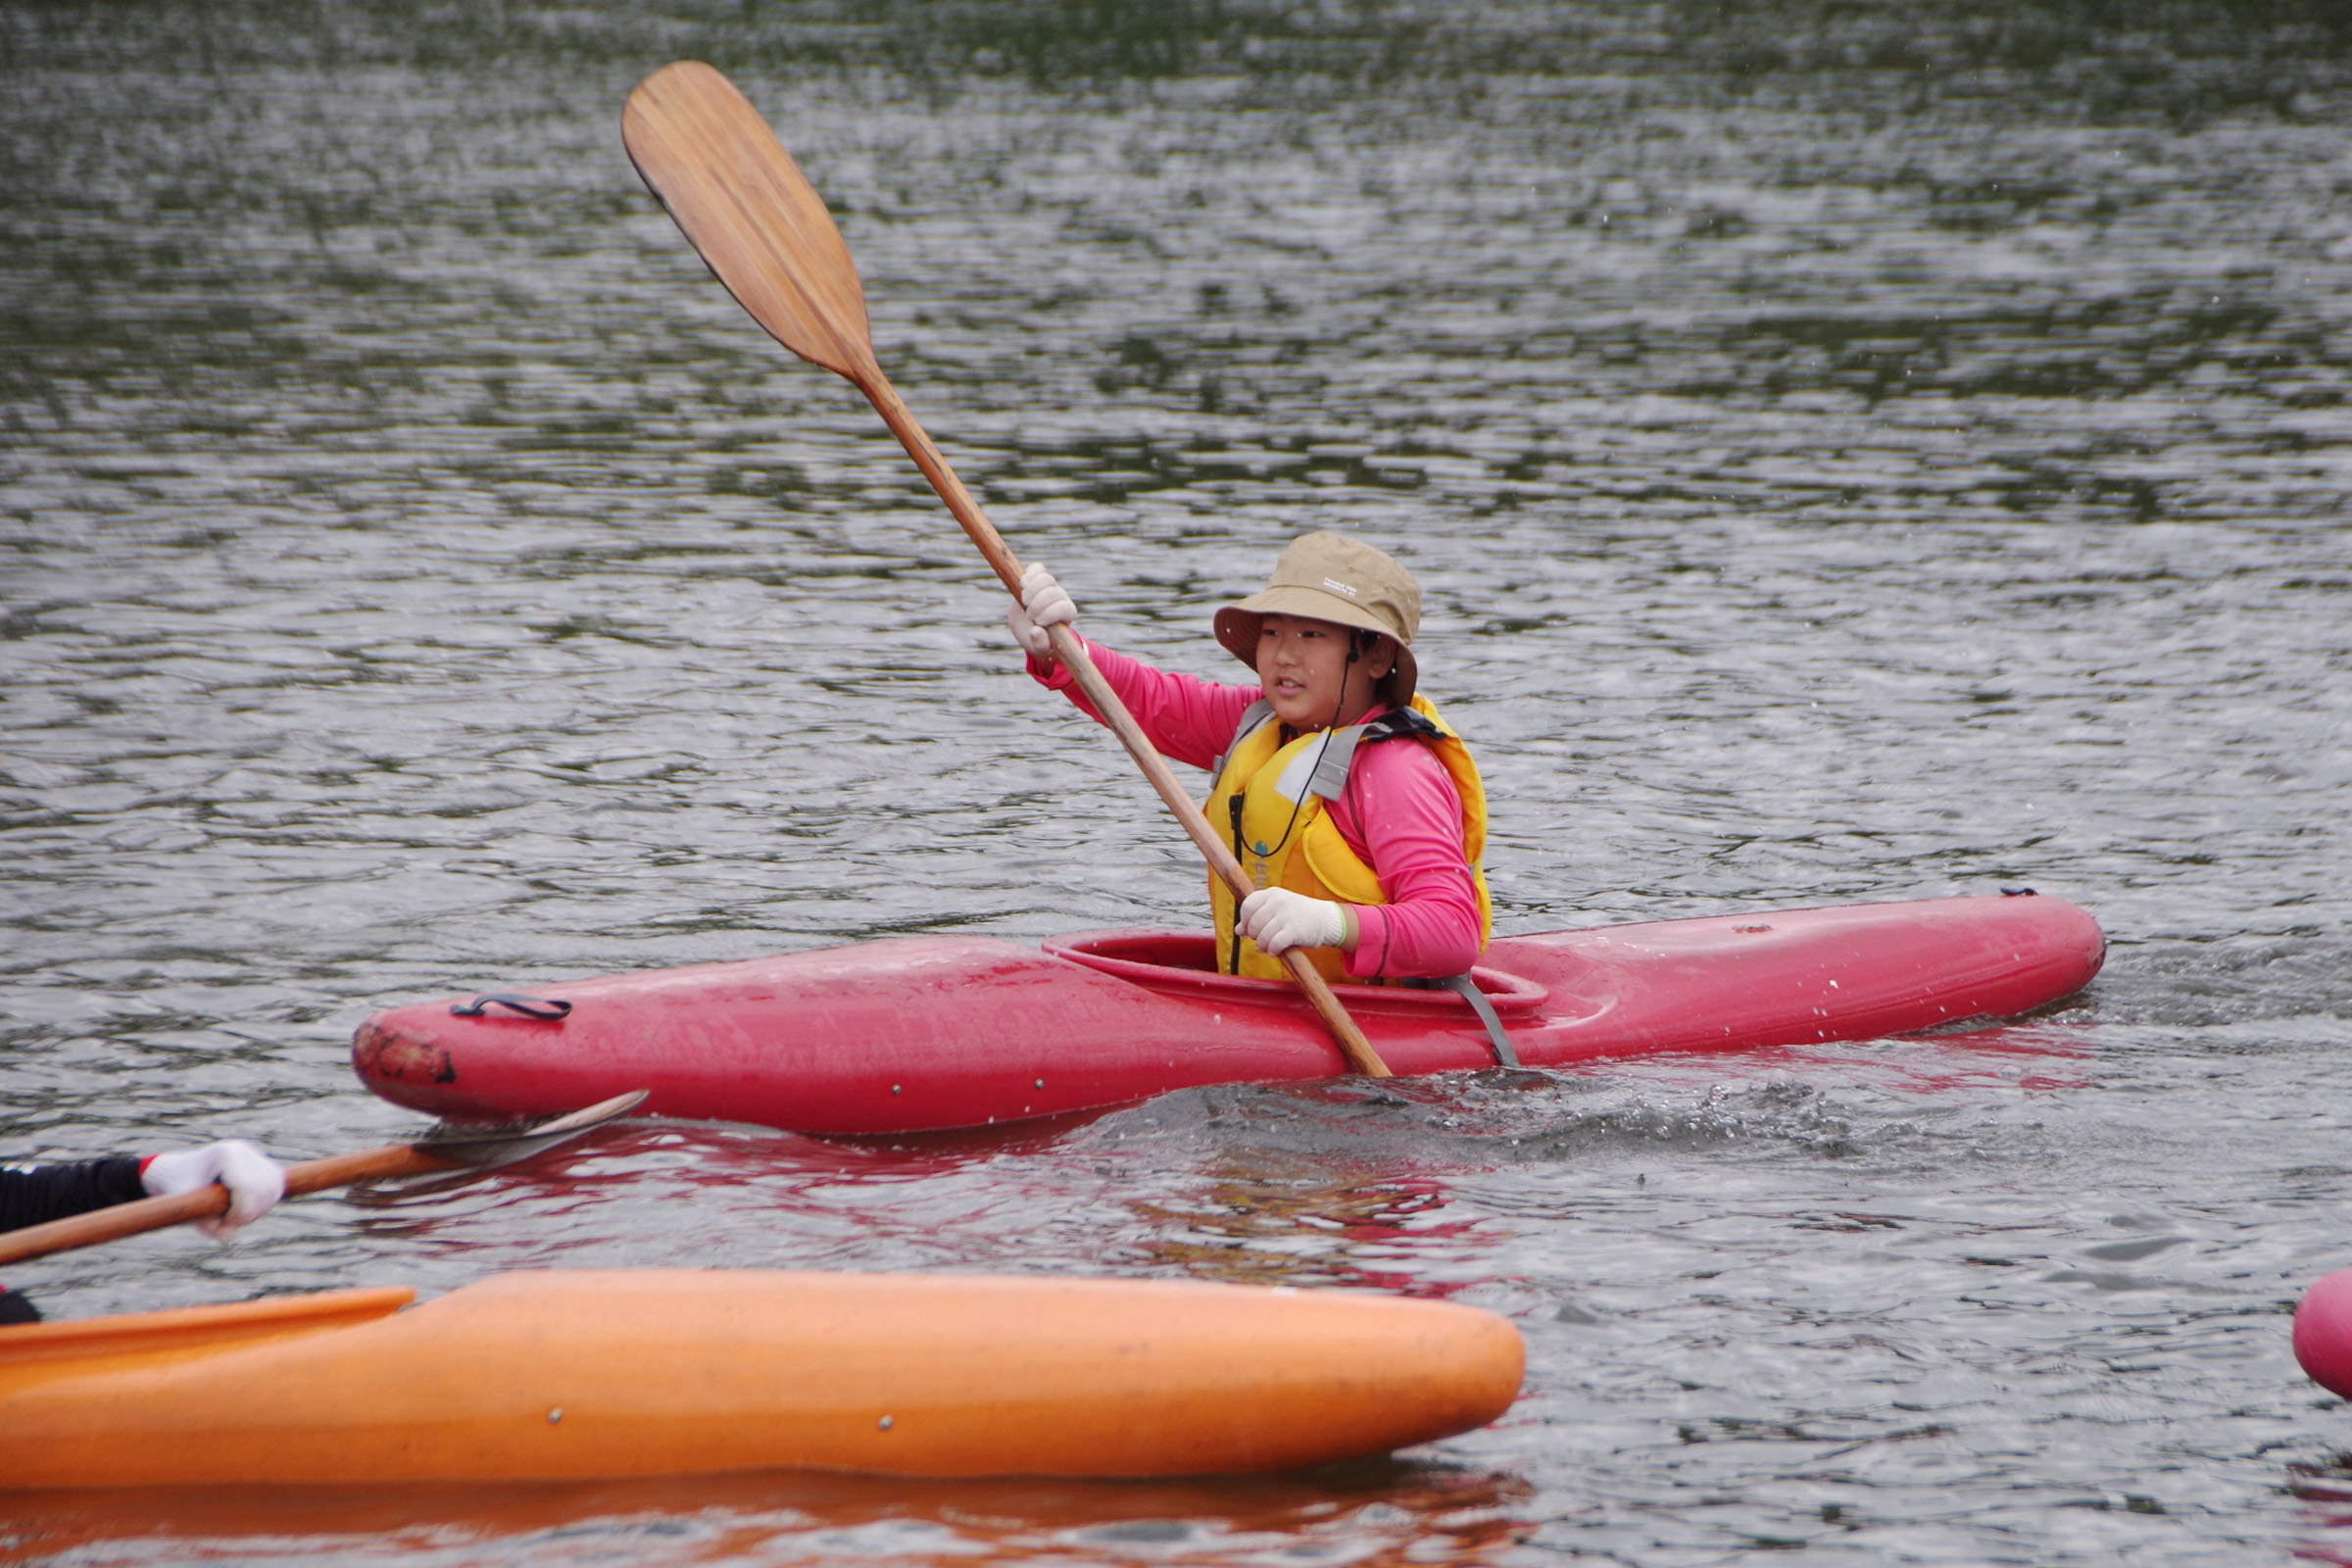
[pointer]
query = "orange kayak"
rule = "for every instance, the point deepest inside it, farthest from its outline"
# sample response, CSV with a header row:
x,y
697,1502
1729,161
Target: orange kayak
x,y
597,1374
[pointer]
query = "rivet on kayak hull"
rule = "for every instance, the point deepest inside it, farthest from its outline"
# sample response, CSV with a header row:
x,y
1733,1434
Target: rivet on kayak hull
x,y
555,1415
884,1423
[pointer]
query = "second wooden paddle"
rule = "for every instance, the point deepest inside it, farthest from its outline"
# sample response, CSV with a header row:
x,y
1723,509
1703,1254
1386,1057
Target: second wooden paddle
x,y
434,1154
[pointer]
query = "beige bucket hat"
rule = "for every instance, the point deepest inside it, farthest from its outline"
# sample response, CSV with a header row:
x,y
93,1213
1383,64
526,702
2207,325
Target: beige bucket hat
x,y
1332,577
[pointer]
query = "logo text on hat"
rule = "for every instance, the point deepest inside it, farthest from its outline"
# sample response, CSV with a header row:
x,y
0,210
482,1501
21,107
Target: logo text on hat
x,y
1340,587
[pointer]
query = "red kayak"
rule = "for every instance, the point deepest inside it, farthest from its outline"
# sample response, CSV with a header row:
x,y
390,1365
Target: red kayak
x,y
2322,1338
911,1034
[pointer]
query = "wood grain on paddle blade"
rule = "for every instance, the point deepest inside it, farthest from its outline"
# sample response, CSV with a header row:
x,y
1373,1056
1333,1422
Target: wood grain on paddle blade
x,y
749,212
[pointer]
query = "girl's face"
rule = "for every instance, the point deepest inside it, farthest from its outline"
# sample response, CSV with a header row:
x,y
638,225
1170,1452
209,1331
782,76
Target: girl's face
x,y
1303,668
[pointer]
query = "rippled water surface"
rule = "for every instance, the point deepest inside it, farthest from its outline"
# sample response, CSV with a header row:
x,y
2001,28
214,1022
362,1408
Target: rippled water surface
x,y
1851,451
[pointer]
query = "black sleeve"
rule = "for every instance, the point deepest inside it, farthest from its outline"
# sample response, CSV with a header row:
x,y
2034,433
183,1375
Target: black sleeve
x,y
31,1194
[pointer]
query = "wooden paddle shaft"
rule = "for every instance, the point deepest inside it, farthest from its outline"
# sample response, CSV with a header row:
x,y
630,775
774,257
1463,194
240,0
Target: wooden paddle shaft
x,y
755,219
1070,649
154,1214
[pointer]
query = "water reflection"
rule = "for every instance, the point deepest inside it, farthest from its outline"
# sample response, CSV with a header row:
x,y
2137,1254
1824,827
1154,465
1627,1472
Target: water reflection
x,y
1374,1513
1302,1227
2325,1485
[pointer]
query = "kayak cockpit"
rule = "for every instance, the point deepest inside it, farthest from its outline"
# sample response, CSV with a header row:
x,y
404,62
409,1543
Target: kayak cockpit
x,y
1184,963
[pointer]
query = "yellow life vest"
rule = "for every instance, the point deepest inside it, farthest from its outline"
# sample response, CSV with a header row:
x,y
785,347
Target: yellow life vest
x,y
1269,796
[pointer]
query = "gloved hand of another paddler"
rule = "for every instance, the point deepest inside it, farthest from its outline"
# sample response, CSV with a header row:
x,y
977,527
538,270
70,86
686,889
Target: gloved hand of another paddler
x,y
1043,603
1278,920
254,1180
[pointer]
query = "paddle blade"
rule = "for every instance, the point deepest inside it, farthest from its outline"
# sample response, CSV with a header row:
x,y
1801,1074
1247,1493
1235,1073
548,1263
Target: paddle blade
x,y
486,1146
759,223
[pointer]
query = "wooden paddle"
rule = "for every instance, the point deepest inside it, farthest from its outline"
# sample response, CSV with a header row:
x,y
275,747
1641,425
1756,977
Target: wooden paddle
x,y
477,1148
765,233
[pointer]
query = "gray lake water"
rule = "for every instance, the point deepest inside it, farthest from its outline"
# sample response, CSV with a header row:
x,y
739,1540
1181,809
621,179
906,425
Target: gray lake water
x,y
1851,453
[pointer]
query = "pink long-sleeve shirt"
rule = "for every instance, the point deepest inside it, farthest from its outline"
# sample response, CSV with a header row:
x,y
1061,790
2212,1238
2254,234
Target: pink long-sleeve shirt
x,y
1400,813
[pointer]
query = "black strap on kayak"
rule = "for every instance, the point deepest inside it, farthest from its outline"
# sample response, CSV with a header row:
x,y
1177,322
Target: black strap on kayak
x,y
548,1008
1462,985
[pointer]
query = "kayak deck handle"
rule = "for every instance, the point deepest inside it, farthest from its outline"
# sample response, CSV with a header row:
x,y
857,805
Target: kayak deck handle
x,y
545,1009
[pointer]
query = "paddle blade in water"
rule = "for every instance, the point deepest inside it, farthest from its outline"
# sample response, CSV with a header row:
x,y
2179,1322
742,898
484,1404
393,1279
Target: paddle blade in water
x,y
486,1146
750,211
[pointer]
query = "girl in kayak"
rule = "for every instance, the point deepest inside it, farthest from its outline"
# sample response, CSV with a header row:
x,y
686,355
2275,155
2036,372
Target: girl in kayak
x,y
1354,808
32,1194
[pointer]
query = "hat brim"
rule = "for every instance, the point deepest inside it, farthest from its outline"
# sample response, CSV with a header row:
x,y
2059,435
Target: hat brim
x,y
1236,628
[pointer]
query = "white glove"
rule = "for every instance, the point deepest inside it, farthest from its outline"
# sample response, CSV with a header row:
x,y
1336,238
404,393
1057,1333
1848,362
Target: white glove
x,y
1044,603
1278,920
254,1180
